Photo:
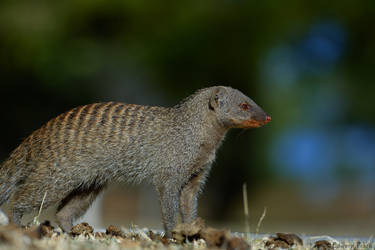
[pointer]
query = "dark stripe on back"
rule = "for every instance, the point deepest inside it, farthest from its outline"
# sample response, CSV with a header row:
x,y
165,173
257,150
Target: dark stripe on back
x,y
116,119
82,116
105,117
94,115
70,119
82,124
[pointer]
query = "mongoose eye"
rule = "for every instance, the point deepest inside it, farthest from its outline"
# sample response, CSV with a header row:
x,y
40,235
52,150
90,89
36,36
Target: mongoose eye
x,y
244,106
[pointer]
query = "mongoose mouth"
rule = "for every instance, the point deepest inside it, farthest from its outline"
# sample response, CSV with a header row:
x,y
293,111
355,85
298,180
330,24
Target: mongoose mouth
x,y
254,123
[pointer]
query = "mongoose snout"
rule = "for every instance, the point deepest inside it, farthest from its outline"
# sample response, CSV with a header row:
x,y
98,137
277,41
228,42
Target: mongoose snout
x,y
255,122
74,156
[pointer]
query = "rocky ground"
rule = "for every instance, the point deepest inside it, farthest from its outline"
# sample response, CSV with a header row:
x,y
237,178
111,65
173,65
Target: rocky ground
x,y
185,236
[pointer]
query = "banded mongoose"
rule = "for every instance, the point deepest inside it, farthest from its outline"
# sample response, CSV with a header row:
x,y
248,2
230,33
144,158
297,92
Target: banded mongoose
x,y
74,156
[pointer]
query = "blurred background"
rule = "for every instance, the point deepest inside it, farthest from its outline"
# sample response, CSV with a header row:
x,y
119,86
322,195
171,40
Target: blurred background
x,y
309,64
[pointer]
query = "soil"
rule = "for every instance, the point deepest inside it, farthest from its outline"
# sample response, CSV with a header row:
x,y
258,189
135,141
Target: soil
x,y
214,238
323,245
185,236
283,240
114,231
83,228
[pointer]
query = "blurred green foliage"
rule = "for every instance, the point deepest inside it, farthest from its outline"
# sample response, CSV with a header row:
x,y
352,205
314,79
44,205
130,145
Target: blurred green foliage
x,y
59,54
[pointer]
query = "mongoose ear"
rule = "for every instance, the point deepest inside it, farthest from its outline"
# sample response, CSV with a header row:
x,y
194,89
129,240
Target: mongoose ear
x,y
215,98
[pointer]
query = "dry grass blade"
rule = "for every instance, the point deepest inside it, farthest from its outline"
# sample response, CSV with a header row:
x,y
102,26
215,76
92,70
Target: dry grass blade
x,y
36,218
246,210
261,220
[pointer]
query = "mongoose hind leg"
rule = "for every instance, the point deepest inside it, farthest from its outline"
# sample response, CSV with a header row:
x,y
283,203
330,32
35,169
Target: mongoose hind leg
x,y
74,206
24,200
15,216
189,196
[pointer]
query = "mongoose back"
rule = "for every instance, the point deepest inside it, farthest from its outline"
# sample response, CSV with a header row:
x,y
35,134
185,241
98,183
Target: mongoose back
x,y
74,156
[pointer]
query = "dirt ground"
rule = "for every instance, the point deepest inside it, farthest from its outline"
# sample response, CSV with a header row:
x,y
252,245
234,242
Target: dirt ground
x,y
185,236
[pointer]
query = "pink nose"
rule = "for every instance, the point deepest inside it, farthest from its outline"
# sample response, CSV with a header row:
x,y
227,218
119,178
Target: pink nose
x,y
268,119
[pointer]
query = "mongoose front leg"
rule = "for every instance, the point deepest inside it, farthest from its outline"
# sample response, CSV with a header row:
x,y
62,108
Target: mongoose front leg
x,y
74,206
189,196
168,197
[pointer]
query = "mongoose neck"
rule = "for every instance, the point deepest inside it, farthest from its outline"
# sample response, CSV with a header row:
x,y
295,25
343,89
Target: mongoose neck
x,y
195,112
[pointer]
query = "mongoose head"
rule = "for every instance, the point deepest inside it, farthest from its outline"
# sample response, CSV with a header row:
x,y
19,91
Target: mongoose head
x,y
235,110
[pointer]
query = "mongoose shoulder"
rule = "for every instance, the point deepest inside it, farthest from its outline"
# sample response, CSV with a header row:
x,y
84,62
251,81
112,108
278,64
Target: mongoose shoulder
x,y
74,156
